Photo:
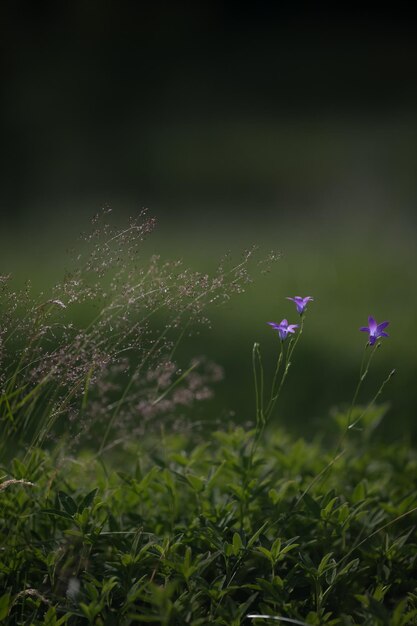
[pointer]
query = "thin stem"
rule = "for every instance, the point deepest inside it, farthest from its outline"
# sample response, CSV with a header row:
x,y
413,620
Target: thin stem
x,y
339,452
375,532
274,380
317,478
297,338
174,384
290,351
374,399
362,375
274,400
258,384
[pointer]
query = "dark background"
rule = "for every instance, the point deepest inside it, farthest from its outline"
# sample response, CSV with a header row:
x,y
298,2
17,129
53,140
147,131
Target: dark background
x,y
291,127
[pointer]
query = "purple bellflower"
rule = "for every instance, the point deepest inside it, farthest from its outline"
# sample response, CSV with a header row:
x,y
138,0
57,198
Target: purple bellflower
x,y
375,330
301,303
283,328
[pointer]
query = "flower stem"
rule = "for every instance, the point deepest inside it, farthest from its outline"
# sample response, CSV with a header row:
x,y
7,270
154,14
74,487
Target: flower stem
x,y
258,377
287,364
374,399
362,375
274,380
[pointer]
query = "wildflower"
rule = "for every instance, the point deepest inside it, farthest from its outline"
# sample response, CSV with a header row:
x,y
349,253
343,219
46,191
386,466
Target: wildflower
x,y
301,303
375,330
283,328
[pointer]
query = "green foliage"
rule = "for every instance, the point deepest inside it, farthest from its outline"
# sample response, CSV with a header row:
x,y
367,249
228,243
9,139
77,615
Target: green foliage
x,y
143,517
207,532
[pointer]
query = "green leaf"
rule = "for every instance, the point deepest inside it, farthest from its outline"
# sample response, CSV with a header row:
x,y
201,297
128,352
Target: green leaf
x,y
57,513
19,469
325,513
258,533
274,496
4,605
237,544
408,618
276,548
359,493
196,483
73,533
215,474
237,490
323,563
89,498
141,486
312,505
127,478
168,480
266,553
352,565
67,503
50,617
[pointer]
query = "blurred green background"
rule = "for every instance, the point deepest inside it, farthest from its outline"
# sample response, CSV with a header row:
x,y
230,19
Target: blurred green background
x,y
289,127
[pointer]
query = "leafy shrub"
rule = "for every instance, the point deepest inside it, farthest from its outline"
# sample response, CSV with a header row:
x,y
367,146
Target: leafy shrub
x,y
193,533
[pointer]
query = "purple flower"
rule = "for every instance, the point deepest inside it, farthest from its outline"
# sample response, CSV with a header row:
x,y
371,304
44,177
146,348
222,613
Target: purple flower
x,y
301,303
375,330
283,328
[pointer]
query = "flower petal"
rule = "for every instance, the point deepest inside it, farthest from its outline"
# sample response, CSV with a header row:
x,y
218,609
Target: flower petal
x,y
372,324
274,325
364,329
382,326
